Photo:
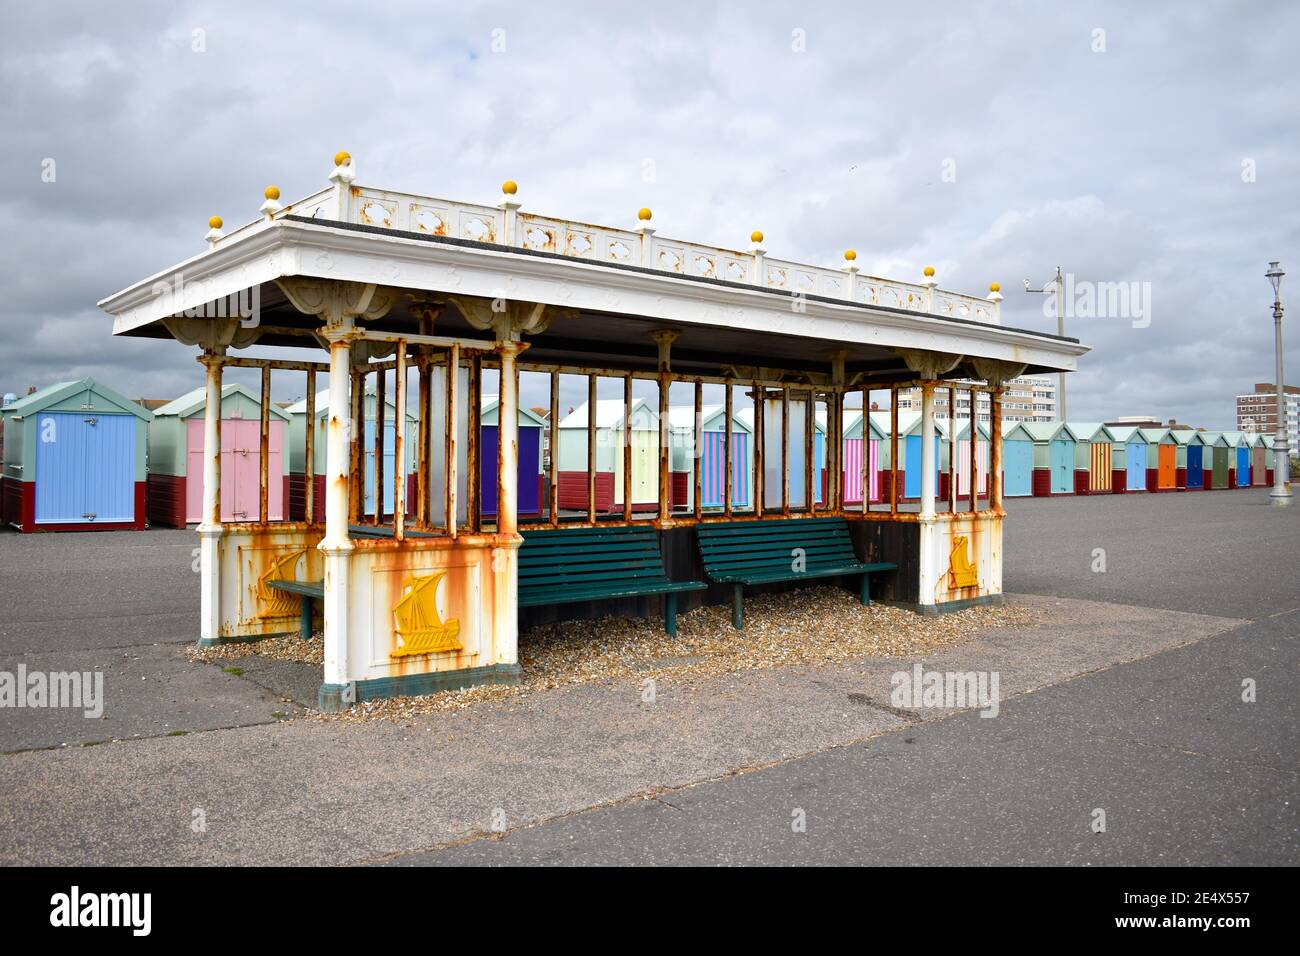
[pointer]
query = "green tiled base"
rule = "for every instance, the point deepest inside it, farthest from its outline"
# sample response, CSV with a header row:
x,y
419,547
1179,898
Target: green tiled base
x,y
950,606
334,698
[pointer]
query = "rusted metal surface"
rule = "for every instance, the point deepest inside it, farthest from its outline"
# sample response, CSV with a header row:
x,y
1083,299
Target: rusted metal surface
x,y
354,432
553,458
952,449
309,464
697,422
995,451
473,448
591,448
453,419
423,437
893,451
974,458
756,396
627,445
866,450
507,519
809,451
381,411
399,445
280,364
665,480
785,451
264,449
726,461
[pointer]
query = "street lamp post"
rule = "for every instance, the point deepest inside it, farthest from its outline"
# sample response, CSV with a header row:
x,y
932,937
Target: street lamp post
x,y
1281,493
1059,289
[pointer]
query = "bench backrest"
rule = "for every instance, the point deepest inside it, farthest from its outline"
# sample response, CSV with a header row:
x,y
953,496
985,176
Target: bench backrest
x,y
742,547
588,558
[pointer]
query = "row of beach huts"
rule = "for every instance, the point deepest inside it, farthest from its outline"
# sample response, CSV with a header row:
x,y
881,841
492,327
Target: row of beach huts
x,y
79,456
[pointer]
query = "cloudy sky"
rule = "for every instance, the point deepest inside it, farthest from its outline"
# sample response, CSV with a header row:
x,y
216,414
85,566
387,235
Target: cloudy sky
x,y
1151,143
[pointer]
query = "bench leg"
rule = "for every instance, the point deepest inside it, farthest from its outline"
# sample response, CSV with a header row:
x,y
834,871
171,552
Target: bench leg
x,y
738,607
304,626
866,588
670,615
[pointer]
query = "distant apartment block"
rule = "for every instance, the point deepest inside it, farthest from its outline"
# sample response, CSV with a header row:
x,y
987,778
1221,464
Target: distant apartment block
x,y
1030,398
1257,411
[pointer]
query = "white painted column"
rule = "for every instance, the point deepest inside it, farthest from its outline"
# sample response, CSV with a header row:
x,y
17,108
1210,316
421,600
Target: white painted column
x,y
336,546
210,528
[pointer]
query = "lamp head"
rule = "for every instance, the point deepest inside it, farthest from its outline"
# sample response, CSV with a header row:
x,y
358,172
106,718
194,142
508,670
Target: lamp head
x,y
1275,275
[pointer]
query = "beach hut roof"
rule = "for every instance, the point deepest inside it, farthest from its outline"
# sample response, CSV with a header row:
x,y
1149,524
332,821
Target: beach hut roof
x,y
1211,438
609,413
1268,440
963,431
1187,436
1235,439
1090,431
1045,431
194,401
1155,436
53,394
489,403
1127,434
1010,428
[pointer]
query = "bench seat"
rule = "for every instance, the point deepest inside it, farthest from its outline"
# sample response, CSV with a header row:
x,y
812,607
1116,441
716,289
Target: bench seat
x,y
572,565
308,591
743,553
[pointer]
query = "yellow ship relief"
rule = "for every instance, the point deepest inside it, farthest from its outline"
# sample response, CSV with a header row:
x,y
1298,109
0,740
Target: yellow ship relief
x,y
963,573
420,628
275,603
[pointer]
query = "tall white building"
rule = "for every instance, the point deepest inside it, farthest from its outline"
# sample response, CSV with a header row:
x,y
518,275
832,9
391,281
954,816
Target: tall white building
x,y
1030,398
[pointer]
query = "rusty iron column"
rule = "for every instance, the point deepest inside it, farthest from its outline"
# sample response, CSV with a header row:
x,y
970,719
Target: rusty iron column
x,y
355,435
995,450
399,442
952,450
591,449
928,449
210,528
893,449
727,454
627,448
697,450
264,450
785,451
760,425
381,410
553,449
507,441
665,338
309,462
450,505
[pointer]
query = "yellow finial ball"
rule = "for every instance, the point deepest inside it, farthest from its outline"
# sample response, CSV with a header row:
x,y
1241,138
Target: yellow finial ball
x,y
995,286
929,271
510,187
342,158
214,222
644,214
850,254
756,236
272,192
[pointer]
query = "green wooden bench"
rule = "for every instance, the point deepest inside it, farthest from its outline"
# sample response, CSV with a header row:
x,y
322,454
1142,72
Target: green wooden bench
x,y
767,551
572,565
308,591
